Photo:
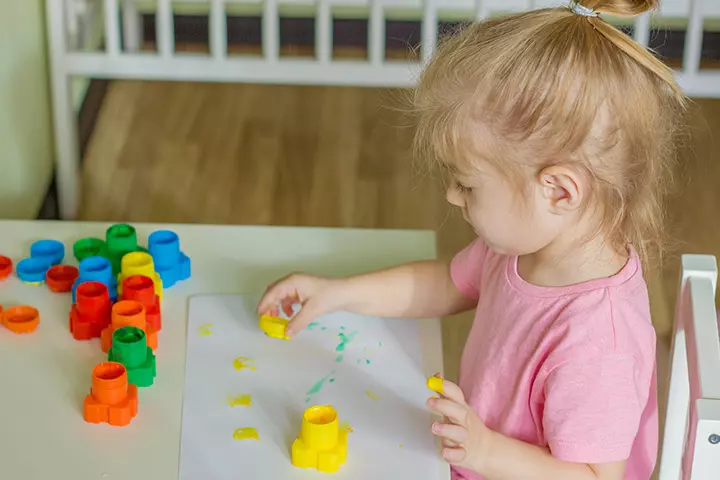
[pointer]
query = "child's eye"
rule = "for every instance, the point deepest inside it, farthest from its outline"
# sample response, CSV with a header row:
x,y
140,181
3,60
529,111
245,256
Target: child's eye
x,y
462,188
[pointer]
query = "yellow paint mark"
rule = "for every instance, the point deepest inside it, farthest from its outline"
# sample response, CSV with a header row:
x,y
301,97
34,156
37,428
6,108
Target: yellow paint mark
x,y
371,394
204,330
240,401
346,427
400,446
242,362
246,433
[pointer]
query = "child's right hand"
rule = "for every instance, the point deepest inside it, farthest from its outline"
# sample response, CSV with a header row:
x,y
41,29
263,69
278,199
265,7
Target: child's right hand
x,y
316,296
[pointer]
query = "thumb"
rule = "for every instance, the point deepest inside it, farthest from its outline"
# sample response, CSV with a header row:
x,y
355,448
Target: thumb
x,y
453,392
308,312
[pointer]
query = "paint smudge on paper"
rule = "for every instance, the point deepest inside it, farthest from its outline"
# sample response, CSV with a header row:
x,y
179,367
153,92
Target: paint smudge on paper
x,y
367,361
323,328
380,343
244,400
241,363
400,445
344,340
246,433
371,394
345,426
312,325
307,400
204,330
320,383
339,358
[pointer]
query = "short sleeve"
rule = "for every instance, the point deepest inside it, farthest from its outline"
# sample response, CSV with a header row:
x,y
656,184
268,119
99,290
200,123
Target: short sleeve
x,y
466,268
593,409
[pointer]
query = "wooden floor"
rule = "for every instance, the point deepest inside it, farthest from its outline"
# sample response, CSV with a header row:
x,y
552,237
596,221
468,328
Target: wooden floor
x,y
339,157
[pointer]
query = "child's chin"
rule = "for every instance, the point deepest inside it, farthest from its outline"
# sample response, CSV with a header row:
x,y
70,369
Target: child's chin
x,y
492,246
499,249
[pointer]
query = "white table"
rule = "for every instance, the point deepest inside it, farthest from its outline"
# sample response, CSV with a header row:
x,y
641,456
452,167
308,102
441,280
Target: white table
x,y
44,376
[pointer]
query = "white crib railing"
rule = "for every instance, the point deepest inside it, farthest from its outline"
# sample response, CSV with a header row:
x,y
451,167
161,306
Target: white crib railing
x,y
691,445
70,21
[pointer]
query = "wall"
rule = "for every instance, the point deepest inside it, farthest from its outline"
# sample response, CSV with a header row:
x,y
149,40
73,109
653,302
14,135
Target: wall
x,y
26,148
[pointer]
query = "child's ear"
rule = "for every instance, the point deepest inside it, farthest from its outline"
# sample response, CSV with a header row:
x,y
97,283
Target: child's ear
x,y
562,188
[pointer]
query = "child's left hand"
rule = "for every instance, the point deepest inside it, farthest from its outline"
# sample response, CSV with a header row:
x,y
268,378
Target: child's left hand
x,y
465,436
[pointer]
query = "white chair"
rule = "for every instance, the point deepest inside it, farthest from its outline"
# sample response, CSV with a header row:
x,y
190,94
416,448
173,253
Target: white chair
x,y
691,441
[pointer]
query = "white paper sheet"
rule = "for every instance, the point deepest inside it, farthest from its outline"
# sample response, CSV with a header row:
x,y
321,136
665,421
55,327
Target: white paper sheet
x,y
368,369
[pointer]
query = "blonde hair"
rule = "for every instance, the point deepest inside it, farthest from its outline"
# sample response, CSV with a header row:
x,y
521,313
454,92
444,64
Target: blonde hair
x,y
549,87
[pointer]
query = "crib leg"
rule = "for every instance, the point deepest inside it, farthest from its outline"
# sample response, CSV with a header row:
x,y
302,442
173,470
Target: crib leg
x,y
132,26
67,155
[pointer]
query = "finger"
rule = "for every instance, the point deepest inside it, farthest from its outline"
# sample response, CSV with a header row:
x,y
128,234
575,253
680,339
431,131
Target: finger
x,y
453,392
444,441
448,443
275,291
275,294
308,312
454,455
455,412
454,433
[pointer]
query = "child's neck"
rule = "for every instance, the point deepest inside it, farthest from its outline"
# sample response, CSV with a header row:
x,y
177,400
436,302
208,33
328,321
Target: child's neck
x,y
569,261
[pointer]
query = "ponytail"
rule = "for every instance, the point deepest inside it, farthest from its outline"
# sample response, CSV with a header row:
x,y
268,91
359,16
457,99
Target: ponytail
x,y
632,8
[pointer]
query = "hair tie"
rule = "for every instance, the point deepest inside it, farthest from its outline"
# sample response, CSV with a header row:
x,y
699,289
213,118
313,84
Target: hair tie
x,y
582,10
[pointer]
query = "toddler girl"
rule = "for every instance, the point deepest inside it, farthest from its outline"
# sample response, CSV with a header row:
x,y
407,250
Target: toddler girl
x,y
558,131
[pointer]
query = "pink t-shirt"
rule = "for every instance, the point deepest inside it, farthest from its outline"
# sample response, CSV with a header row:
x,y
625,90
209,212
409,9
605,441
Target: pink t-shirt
x,y
569,368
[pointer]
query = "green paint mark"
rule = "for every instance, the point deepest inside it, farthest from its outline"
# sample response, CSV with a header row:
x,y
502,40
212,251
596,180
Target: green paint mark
x,y
380,344
332,380
344,340
319,384
323,328
359,361
307,400
312,325
339,358
342,328
367,361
